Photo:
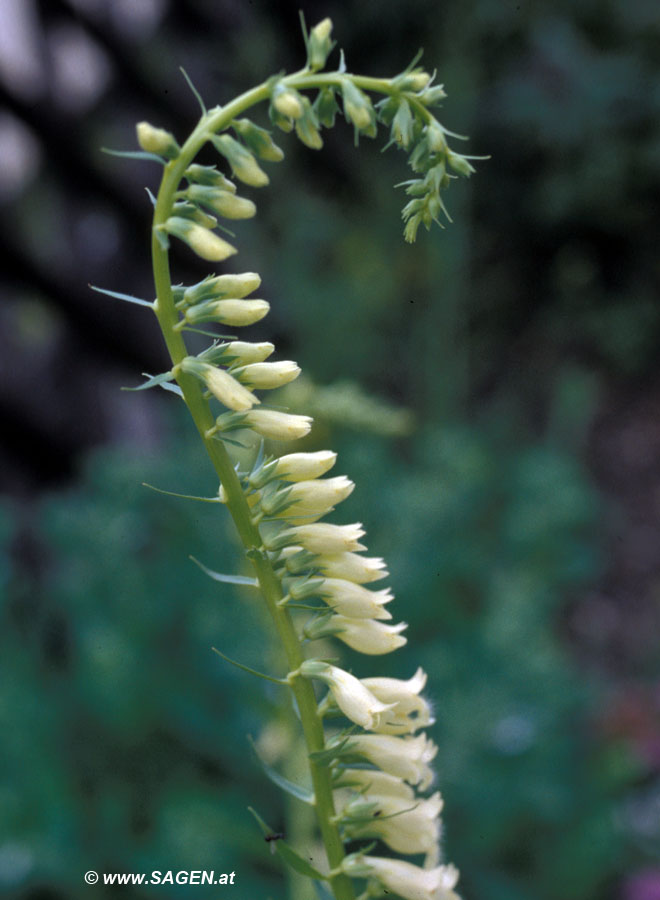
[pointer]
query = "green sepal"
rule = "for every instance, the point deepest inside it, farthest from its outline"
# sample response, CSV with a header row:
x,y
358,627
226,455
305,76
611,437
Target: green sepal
x,y
258,140
162,238
135,154
248,669
295,790
243,580
290,856
119,296
329,755
154,381
326,107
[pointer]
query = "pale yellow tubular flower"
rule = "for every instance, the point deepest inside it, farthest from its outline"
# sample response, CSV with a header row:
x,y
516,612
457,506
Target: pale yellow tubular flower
x,y
406,826
354,601
278,426
404,757
227,390
350,695
305,466
410,711
322,536
313,498
268,375
352,566
203,242
376,782
369,636
242,353
406,880
232,311
234,285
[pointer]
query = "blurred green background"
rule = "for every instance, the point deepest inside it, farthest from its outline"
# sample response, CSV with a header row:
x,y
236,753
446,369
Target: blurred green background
x,y
493,390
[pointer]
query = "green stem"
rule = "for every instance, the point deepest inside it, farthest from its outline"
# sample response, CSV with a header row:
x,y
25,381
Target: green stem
x,y
216,120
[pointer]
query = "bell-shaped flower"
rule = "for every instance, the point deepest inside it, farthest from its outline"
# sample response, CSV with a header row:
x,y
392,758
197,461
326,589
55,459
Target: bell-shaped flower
x,y
367,635
373,781
304,466
404,757
350,600
322,536
410,711
352,566
403,878
350,695
406,826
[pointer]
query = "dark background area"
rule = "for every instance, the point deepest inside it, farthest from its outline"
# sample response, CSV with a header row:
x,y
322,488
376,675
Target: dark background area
x,y
493,390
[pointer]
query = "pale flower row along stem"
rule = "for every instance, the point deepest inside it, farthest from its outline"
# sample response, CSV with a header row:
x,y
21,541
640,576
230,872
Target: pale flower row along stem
x,y
369,779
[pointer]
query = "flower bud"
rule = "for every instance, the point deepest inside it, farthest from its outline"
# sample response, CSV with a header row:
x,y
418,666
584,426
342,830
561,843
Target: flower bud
x,y
267,375
367,635
459,164
225,203
236,286
357,106
403,878
228,312
278,426
307,126
415,81
404,757
209,175
221,384
352,566
304,466
303,498
350,695
320,44
244,353
242,162
287,102
258,140
325,107
403,126
157,140
433,95
202,241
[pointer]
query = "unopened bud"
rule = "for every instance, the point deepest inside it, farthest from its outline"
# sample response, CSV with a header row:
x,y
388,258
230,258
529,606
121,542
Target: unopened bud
x,y
222,286
357,106
203,242
209,175
320,44
242,162
157,140
225,203
228,312
267,375
258,140
287,102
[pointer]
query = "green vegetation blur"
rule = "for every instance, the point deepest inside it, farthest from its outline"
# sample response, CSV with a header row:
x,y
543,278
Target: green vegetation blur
x,y
464,382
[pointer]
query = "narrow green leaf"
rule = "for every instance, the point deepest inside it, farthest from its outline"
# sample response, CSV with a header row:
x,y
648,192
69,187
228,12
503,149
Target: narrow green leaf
x,y
134,154
153,381
192,87
119,296
297,862
288,854
174,388
248,669
218,576
295,790
182,496
151,196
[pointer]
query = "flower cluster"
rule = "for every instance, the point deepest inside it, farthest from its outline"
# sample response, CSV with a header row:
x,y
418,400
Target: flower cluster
x,y
380,764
